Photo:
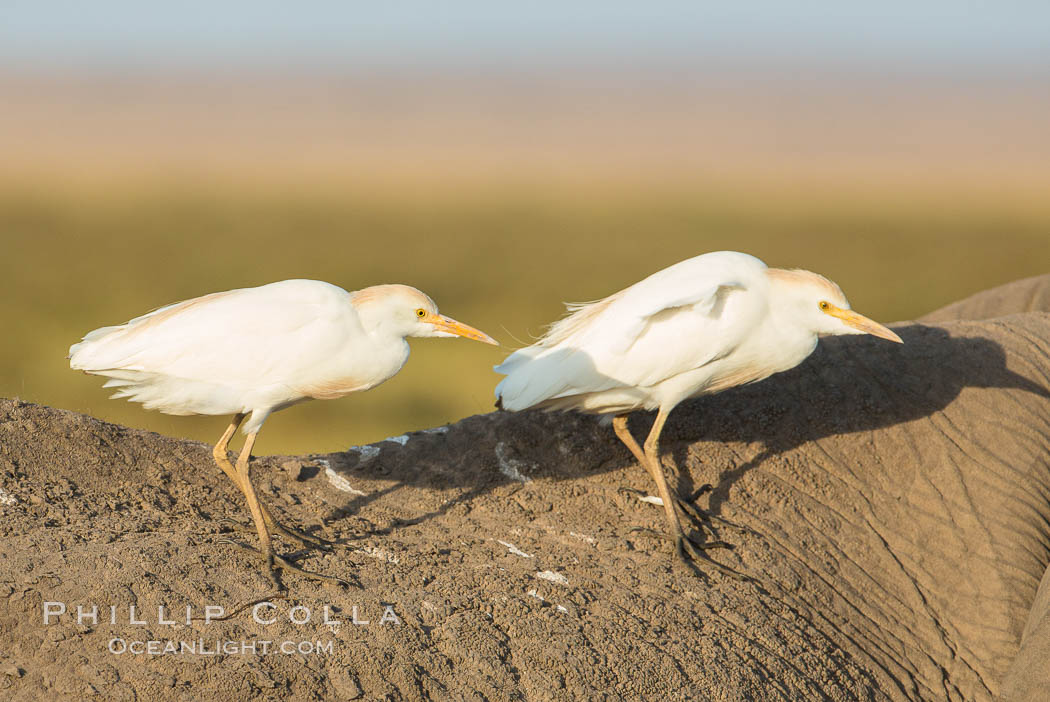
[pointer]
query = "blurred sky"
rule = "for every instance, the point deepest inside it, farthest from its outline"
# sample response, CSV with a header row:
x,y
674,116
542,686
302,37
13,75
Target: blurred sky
x,y
936,33
464,92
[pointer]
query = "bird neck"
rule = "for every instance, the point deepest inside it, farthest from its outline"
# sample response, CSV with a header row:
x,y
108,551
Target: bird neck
x,y
788,330
378,324
389,347
390,343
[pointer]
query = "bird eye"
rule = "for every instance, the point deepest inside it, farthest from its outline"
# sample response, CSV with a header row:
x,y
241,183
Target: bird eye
x,y
421,312
824,305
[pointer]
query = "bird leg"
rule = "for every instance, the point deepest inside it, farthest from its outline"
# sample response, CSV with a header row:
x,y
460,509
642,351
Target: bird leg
x,y
265,544
619,423
219,453
701,518
652,464
686,548
285,562
242,479
620,427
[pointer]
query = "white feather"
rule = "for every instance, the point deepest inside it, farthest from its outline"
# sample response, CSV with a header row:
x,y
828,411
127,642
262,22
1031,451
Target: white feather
x,y
259,349
693,326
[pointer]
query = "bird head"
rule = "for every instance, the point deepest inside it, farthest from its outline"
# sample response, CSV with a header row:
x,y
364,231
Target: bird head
x,y
819,305
405,311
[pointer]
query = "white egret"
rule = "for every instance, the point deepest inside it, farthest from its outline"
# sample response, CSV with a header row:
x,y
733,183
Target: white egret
x,y
259,350
698,327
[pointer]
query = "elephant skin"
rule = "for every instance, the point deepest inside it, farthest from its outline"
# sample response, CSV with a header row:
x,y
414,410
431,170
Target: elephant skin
x,y
1025,295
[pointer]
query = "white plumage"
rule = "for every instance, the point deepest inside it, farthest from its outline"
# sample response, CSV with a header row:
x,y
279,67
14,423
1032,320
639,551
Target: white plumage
x,y
698,327
258,350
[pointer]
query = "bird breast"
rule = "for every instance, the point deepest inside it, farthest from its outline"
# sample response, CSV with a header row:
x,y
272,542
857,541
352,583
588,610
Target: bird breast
x,y
771,349
359,367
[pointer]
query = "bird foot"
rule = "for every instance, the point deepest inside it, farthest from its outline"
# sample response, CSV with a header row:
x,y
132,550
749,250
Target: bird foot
x,y
274,561
291,533
301,536
691,551
701,545
701,518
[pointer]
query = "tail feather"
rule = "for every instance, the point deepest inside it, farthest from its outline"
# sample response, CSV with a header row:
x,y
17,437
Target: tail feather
x,y
104,349
543,375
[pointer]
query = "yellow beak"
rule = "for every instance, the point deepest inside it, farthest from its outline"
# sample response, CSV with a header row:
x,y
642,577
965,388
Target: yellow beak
x,y
862,323
451,326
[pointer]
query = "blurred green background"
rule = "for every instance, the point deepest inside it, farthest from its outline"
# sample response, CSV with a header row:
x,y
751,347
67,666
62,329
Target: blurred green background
x,y
503,166
501,263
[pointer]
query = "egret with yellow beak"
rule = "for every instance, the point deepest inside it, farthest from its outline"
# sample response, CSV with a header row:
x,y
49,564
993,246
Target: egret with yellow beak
x,y
701,326
258,350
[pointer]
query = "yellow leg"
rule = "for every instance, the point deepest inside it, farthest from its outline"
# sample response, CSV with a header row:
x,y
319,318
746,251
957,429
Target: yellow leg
x,y
650,460
652,464
620,427
240,478
265,545
219,453
649,457
624,433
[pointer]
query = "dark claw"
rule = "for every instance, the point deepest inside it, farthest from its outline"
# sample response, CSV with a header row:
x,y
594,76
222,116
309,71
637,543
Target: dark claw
x,y
696,553
287,564
703,518
690,551
702,545
278,529
301,536
277,595
700,492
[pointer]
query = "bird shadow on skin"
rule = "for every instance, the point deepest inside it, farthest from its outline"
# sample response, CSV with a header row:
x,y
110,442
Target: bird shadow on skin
x,y
426,462
849,384
358,503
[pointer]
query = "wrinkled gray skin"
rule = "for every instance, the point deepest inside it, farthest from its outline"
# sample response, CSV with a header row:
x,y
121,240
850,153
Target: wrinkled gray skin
x,y
900,496
1025,295
1027,674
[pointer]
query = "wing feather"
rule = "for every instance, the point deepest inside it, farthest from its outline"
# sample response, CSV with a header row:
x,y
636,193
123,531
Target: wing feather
x,y
634,338
218,346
